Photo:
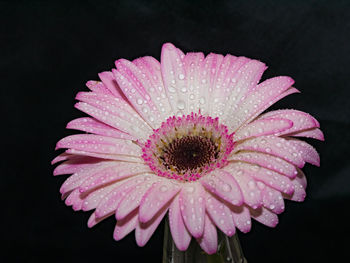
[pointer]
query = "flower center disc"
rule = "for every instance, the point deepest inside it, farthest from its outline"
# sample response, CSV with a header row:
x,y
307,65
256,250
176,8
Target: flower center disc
x,y
185,148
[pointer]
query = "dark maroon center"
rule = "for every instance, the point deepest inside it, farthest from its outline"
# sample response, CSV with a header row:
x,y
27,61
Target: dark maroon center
x,y
189,153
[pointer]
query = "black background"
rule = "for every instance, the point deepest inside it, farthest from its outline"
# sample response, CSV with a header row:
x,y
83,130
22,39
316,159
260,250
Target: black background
x,y
49,49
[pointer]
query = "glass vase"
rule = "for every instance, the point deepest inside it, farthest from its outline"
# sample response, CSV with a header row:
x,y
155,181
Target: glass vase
x,y
229,250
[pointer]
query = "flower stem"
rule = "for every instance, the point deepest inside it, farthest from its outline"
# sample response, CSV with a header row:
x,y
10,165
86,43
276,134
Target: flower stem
x,y
229,250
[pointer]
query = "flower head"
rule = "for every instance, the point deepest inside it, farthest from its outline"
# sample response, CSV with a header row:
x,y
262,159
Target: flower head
x,y
186,137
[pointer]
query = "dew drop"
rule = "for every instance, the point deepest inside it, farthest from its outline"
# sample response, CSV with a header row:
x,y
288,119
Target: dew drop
x,y
226,188
163,188
139,101
181,76
181,105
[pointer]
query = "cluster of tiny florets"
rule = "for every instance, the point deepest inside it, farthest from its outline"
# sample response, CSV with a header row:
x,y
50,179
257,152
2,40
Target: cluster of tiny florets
x,y
184,148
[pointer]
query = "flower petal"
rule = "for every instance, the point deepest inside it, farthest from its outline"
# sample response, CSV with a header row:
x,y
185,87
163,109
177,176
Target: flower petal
x,y
132,200
74,199
77,164
208,71
174,78
99,144
111,201
307,152
94,126
251,193
268,177
155,198
262,127
244,76
150,68
264,216
267,161
125,226
92,200
192,206
110,83
193,63
116,157
241,218
299,184
114,112
144,231
272,199
179,232
209,241
259,100
301,120
98,87
135,88
78,178
223,185
108,175
314,133
220,214
273,145
93,220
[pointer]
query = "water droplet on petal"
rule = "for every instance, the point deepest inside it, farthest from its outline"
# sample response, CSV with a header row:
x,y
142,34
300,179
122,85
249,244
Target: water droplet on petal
x,y
226,187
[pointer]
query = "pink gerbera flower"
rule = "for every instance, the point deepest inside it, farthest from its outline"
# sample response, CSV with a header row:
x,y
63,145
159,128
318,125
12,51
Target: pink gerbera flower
x,y
186,136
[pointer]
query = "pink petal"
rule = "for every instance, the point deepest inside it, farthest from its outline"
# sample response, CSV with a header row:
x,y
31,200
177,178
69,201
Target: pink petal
x,y
150,68
74,199
272,145
93,220
267,104
92,200
110,83
192,206
223,185
209,241
125,226
272,199
155,198
144,231
180,234
251,193
299,184
111,201
78,178
301,120
267,161
307,152
112,174
193,63
98,87
244,77
117,157
94,126
114,112
221,90
174,78
268,177
135,88
262,127
208,71
62,157
314,133
220,214
241,218
75,165
99,144
259,100
264,216
132,200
